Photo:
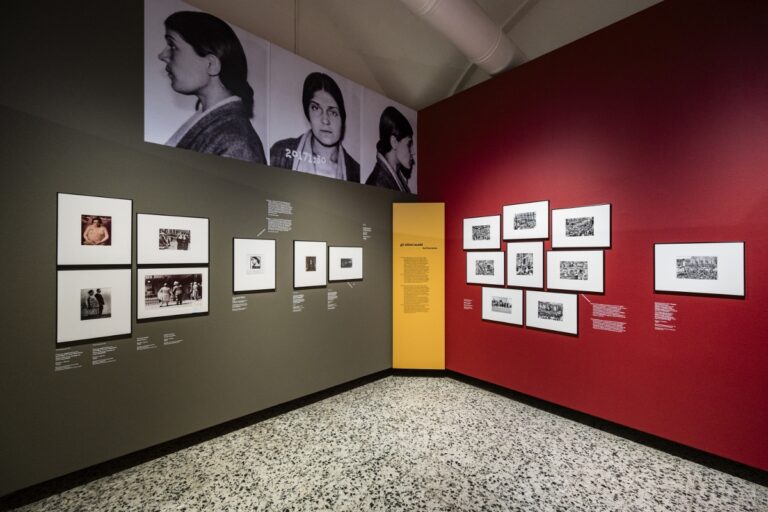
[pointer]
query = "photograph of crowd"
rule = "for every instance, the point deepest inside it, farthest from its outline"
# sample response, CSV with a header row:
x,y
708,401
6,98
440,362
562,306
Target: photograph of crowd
x,y
580,226
550,311
95,303
524,264
484,268
96,230
346,262
501,305
697,267
310,264
575,270
525,220
174,239
481,232
172,290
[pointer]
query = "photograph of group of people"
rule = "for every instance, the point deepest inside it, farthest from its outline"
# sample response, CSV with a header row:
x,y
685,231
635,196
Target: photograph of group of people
x,y
214,88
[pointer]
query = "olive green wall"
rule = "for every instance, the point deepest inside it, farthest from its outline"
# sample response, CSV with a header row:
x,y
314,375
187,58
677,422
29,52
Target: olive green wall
x,y
71,121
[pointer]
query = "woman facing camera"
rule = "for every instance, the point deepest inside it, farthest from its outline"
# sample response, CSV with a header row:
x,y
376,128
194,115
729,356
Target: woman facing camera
x,y
319,150
204,58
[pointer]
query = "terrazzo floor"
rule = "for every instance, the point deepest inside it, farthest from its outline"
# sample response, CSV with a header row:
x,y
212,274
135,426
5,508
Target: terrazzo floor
x,y
411,444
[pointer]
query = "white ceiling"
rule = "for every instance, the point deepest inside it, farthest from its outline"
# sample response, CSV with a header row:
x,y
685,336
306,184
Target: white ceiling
x,y
383,46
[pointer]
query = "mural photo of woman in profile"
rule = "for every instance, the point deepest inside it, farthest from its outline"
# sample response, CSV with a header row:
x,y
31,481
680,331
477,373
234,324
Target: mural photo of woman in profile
x,y
394,152
319,150
203,57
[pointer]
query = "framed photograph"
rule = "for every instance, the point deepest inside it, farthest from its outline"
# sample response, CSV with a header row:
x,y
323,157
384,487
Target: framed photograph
x,y
171,292
485,268
708,268
93,230
581,271
171,240
345,264
503,305
482,232
583,227
525,264
253,265
526,221
552,311
92,304
310,268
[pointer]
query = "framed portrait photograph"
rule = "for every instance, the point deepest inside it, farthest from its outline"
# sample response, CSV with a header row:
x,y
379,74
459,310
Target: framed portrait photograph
x,y
582,227
171,292
552,311
582,271
310,266
707,268
503,305
345,264
526,221
171,240
253,265
482,232
93,230
485,268
525,264
92,304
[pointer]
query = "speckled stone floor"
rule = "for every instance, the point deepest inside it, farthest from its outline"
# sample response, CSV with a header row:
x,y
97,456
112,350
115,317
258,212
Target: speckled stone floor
x,y
410,444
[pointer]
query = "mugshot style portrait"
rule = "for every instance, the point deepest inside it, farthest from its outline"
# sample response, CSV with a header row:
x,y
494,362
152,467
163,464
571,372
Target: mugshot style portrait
x,y
205,85
314,119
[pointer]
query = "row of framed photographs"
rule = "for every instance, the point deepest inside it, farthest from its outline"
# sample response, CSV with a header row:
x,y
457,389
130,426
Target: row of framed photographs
x,y
543,310
582,271
580,227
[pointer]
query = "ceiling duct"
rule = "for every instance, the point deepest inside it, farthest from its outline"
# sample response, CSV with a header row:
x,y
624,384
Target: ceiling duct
x,y
470,29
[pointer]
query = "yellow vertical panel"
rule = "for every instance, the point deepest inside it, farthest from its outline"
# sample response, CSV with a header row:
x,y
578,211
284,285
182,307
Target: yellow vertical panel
x,y
418,286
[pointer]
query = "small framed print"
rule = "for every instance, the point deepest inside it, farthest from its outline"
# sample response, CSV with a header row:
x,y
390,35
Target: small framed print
x,y
171,240
707,268
171,292
525,264
526,221
485,268
581,271
92,304
552,311
253,265
345,264
582,227
482,232
503,305
310,268
93,230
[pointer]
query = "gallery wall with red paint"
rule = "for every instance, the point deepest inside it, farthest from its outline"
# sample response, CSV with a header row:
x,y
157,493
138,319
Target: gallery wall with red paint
x,y
665,116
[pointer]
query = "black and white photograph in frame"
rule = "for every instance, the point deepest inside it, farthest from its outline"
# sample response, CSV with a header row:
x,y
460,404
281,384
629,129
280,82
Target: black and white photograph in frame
x,y
525,264
707,268
253,265
503,305
482,232
93,304
345,264
171,291
205,83
582,227
552,311
582,271
526,221
310,266
485,268
388,144
93,230
314,118
171,240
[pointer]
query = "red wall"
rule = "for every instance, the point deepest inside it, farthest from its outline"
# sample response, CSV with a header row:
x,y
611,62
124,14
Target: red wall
x,y
664,115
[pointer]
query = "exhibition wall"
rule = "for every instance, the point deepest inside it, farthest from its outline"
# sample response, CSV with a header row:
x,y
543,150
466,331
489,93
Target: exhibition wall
x,y
72,119
665,116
